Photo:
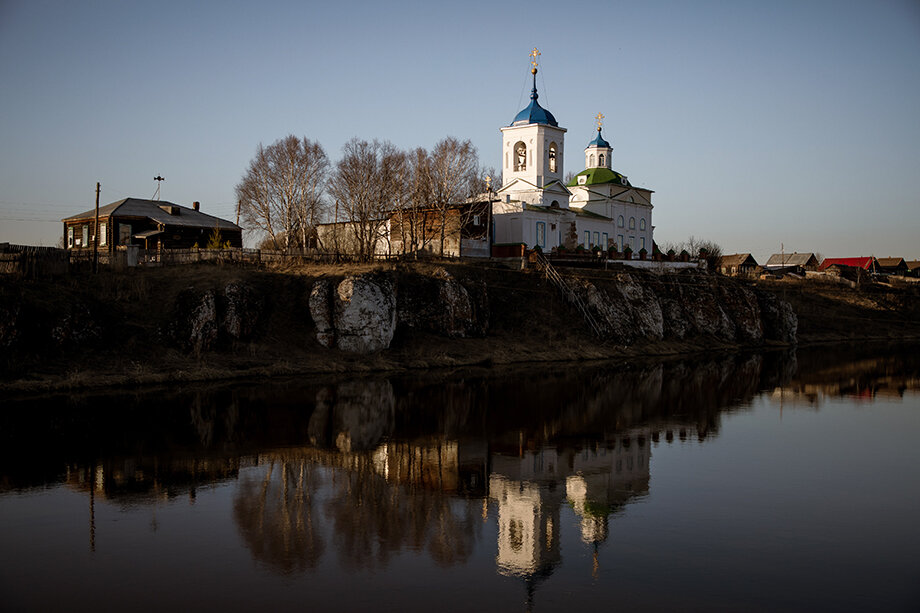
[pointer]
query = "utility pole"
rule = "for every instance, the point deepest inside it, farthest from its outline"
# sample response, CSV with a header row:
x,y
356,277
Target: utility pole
x,y
96,233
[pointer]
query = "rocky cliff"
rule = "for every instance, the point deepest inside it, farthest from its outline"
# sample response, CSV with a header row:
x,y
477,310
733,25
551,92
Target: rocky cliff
x,y
173,323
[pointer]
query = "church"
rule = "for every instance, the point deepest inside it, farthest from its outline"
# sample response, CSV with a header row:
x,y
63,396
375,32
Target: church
x,y
537,208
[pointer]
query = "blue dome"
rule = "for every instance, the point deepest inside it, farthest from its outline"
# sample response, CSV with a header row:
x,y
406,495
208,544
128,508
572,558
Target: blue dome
x,y
599,141
534,113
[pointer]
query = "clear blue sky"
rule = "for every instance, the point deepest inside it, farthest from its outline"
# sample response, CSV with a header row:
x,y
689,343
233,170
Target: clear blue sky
x,y
756,123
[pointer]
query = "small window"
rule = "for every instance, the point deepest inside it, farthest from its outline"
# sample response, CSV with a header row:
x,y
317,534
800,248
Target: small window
x,y
582,179
620,222
597,238
632,223
591,161
601,159
642,224
103,239
541,234
606,240
620,241
475,220
642,241
70,237
85,236
587,238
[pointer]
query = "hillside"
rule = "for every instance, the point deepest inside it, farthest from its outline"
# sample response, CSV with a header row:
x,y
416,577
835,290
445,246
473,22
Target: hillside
x,y
210,322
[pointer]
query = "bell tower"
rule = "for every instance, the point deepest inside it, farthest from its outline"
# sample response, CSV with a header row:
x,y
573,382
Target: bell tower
x,y
533,145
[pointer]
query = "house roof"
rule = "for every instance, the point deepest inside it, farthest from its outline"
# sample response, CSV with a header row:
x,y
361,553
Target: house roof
x,y
865,262
737,259
589,214
153,210
791,259
912,264
890,262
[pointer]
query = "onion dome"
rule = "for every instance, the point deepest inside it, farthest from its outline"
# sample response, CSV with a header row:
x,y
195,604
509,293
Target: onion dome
x,y
533,112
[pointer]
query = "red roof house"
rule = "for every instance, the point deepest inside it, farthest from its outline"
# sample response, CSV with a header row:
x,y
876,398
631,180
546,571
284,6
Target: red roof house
x,y
866,263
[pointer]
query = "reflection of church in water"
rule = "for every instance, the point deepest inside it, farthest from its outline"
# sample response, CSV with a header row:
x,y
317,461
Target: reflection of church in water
x,y
531,487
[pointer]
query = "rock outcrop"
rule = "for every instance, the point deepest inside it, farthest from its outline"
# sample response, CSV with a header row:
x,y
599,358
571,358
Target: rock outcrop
x,y
439,303
204,318
357,315
688,305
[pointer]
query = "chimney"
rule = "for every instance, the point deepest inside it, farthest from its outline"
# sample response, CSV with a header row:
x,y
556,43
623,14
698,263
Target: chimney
x,y
196,205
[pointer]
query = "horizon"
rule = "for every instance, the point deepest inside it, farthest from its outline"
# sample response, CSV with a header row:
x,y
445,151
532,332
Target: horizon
x,y
756,126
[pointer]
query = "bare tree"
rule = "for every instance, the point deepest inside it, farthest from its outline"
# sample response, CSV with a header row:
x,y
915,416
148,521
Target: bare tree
x,y
282,191
454,169
367,187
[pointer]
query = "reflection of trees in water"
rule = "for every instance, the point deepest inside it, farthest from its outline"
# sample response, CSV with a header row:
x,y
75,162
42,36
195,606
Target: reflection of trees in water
x,y
373,519
275,515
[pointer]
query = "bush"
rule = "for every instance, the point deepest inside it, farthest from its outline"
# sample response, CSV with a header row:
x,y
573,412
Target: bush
x,y
579,248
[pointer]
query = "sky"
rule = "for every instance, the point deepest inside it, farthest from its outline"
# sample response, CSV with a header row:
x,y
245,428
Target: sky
x,y
759,125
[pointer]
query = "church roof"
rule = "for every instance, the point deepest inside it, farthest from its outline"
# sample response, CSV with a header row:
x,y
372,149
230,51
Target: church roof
x,y
533,112
599,141
597,176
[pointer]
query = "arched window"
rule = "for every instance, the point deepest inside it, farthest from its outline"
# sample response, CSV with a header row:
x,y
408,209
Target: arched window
x,y
642,224
632,223
552,157
591,161
601,159
520,156
620,222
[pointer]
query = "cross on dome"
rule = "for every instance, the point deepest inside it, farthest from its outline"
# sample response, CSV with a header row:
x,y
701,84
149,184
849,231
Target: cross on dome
x,y
599,118
533,59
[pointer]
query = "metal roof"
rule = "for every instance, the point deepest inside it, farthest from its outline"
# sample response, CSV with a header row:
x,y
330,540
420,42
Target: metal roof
x,y
151,209
791,259
598,141
534,113
865,262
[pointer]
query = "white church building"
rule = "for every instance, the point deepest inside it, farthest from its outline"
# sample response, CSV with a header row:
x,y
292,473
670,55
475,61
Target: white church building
x,y
598,207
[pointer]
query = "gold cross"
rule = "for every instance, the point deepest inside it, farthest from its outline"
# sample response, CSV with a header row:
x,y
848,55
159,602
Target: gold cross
x,y
534,55
600,120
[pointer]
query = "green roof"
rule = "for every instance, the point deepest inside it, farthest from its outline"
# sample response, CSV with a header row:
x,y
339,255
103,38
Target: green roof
x,y
598,176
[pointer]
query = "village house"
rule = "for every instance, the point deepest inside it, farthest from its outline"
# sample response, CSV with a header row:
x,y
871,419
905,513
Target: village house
x,y
867,263
792,262
737,264
150,224
913,268
892,266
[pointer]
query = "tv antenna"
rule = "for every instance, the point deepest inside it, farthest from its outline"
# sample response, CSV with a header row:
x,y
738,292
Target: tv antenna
x,y
156,194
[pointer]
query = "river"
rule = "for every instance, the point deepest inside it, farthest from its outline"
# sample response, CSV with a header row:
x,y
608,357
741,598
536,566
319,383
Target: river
x,y
759,481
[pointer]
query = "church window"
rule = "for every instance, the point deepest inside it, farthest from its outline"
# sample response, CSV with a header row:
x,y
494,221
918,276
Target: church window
x,y
620,241
541,234
632,223
642,224
582,179
620,222
597,238
520,157
642,241
552,157
606,241
600,159
591,161
587,239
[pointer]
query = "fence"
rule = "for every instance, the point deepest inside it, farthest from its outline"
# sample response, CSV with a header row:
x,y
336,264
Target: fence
x,y
32,262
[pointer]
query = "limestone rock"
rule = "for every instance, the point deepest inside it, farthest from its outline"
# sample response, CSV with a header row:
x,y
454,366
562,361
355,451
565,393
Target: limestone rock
x,y
439,303
779,320
321,310
365,314
195,322
242,309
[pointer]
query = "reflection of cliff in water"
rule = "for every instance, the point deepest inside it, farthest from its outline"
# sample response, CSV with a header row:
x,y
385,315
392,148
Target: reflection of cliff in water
x,y
366,469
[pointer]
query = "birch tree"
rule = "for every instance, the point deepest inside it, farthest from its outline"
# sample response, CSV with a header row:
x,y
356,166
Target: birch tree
x,y
283,188
454,168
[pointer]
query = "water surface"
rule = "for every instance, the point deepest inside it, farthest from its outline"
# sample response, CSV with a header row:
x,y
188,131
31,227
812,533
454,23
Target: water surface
x,y
776,481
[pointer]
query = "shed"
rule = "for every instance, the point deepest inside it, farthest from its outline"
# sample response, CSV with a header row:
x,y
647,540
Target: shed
x,y
782,261
893,266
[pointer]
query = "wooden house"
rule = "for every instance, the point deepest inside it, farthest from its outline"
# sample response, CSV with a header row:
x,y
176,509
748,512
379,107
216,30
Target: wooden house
x,y
151,224
867,263
893,266
792,262
737,264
